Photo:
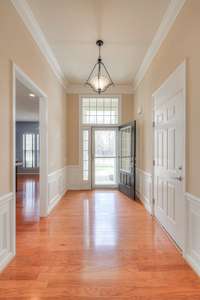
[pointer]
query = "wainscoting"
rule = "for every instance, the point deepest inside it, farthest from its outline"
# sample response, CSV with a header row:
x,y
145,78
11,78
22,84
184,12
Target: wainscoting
x,y
75,178
192,249
6,229
57,187
144,189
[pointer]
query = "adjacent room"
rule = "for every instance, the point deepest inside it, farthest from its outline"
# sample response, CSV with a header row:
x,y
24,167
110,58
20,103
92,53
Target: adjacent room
x,y
27,149
99,150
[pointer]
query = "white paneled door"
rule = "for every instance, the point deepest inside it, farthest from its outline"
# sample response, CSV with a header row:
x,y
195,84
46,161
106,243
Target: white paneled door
x,y
169,154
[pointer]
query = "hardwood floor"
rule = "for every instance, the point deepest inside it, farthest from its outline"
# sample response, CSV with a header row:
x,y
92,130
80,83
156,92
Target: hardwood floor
x,y
27,200
94,245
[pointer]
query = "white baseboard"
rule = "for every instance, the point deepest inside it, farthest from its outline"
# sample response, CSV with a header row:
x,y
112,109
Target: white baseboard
x,y
144,189
192,247
7,236
57,187
6,260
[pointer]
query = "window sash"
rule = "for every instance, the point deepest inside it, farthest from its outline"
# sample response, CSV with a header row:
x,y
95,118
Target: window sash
x,y
100,110
30,147
85,154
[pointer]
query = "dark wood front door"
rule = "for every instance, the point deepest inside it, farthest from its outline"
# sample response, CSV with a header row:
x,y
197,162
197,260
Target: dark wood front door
x,y
127,159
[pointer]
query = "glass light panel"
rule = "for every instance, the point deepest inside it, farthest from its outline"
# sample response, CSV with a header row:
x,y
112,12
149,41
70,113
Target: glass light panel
x,y
85,154
105,143
126,149
96,110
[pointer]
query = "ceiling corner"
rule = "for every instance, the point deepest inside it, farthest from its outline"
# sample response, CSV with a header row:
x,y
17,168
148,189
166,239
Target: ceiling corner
x,y
32,25
168,19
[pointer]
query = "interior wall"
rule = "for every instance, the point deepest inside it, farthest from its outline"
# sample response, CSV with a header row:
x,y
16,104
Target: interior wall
x,y
18,46
127,115
182,42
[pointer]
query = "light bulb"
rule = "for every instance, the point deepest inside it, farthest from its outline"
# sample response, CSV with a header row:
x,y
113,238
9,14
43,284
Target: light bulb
x,y
99,83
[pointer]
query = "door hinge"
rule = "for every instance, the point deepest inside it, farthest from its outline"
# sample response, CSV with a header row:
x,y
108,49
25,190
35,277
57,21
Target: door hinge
x,y
154,163
153,124
153,201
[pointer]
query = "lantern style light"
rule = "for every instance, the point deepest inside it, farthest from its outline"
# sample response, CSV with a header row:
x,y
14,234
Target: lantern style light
x,y
99,79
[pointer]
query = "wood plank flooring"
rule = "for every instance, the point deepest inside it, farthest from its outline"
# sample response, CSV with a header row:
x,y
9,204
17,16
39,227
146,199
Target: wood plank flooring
x,y
94,245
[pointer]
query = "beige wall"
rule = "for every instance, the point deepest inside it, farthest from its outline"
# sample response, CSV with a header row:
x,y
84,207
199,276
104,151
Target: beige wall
x,y
73,123
17,45
73,129
182,42
127,113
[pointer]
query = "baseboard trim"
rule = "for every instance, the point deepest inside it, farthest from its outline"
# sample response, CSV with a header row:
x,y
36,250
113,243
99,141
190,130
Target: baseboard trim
x,y
192,263
55,201
5,262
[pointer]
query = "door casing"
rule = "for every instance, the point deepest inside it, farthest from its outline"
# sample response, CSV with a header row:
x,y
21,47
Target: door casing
x,y
43,119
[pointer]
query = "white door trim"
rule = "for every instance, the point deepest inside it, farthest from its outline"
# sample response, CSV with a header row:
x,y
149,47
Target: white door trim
x,y
43,119
179,72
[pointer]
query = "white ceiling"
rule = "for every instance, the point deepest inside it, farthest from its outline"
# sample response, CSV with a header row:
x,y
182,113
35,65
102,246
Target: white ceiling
x,y
72,27
27,108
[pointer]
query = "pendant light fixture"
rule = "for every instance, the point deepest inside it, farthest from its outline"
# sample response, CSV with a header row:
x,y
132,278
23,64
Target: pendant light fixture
x,y
99,79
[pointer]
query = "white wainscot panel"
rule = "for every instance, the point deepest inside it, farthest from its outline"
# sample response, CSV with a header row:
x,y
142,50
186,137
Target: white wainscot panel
x,y
144,188
6,230
75,178
192,249
57,187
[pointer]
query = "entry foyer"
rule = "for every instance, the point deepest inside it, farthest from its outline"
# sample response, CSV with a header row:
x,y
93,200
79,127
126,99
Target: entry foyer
x,y
99,151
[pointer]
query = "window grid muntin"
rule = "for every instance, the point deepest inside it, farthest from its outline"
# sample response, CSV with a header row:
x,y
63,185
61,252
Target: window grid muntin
x,y
100,110
30,147
125,163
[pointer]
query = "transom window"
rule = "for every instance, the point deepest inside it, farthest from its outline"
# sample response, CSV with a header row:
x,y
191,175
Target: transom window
x,y
100,110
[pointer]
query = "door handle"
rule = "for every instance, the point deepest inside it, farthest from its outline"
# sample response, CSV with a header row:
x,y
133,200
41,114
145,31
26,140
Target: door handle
x,y
179,178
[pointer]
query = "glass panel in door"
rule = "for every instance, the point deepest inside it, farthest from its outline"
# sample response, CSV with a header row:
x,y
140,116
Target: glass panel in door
x,y
104,157
127,159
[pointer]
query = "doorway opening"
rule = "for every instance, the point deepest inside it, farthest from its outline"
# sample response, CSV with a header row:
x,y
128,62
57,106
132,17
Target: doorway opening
x,y
108,149
104,157
30,149
27,154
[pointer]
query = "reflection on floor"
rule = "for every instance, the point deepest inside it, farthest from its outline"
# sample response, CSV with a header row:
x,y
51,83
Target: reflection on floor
x,y
97,245
27,204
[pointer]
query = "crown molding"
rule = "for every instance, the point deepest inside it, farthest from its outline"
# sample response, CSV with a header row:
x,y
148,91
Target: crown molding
x,y
32,25
83,89
169,17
